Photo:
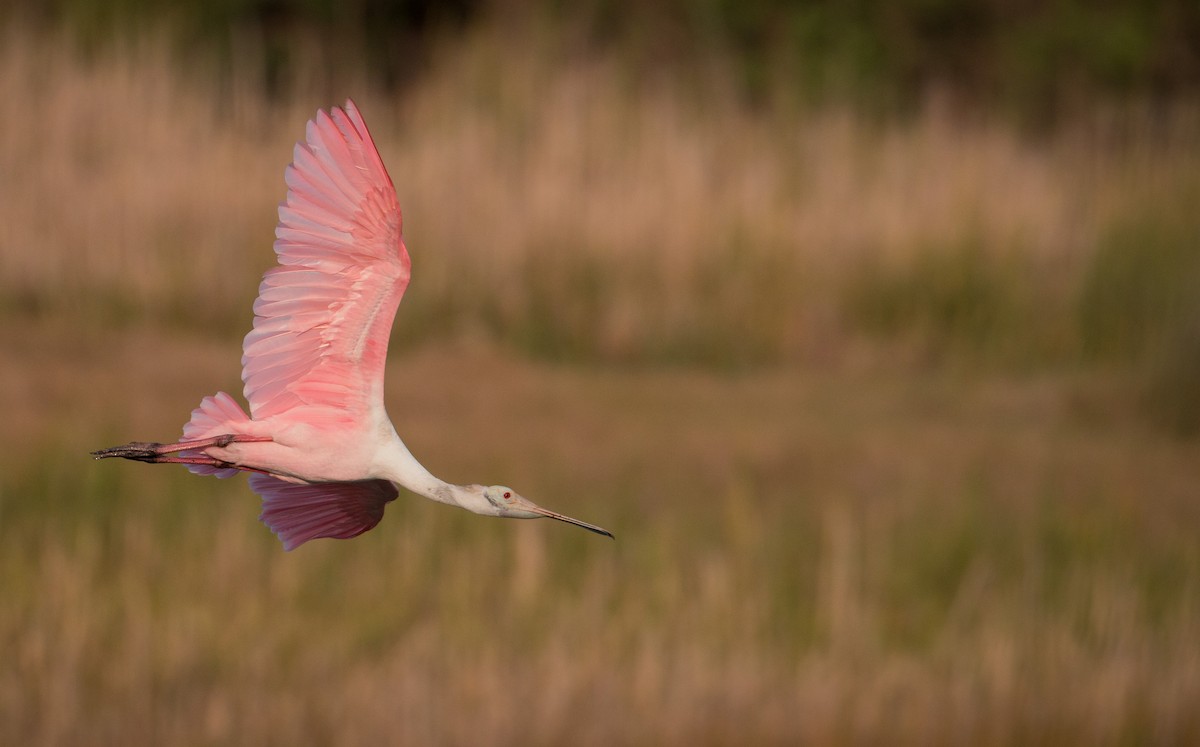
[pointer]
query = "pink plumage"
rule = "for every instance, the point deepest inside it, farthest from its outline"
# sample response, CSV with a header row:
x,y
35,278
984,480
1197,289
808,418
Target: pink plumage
x,y
321,324
216,414
323,316
297,513
321,321
324,455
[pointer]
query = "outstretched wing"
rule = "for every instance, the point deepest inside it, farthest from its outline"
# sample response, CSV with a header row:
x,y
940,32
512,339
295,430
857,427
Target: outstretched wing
x,y
297,513
324,315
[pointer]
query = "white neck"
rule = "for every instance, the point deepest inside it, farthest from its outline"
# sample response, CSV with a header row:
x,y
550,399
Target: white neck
x,y
397,464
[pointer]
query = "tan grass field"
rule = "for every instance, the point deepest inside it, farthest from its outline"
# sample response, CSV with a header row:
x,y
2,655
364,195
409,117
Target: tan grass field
x,y
822,538
572,212
800,557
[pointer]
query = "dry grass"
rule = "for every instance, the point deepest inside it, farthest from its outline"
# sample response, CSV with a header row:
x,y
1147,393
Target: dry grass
x,y
800,557
566,209
836,554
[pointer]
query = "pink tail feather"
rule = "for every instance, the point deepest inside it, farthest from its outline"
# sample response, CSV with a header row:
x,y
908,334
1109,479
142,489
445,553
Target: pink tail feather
x,y
216,415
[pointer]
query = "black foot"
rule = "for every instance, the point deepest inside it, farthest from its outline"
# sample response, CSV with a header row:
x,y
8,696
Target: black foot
x,y
140,451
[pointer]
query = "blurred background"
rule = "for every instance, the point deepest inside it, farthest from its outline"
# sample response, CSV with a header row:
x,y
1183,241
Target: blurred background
x,y
871,329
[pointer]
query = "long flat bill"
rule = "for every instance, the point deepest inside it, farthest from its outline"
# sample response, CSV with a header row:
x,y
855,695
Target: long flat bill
x,y
564,518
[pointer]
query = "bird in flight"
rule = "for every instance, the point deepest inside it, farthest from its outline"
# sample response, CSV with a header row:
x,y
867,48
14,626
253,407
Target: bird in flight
x,y
318,444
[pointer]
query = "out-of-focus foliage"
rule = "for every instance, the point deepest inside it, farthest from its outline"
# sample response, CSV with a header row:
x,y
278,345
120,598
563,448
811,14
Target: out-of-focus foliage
x,y
836,538
802,557
559,206
1139,304
389,37
1034,59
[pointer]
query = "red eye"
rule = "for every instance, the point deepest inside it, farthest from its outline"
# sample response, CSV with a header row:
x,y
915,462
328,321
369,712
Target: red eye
x,y
507,495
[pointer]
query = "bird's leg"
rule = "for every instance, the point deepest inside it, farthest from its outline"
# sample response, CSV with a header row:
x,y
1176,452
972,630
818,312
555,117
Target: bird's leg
x,y
156,453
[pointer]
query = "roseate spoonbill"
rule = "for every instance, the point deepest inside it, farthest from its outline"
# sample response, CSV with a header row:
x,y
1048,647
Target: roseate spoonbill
x,y
317,443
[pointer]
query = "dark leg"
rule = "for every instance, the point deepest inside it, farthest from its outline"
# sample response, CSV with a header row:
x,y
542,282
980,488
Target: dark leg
x,y
156,453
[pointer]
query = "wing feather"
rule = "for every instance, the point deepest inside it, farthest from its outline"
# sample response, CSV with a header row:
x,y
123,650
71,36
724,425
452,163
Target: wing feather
x,y
297,513
324,314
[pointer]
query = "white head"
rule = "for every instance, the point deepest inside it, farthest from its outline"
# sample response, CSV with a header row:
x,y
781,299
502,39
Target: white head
x,y
510,504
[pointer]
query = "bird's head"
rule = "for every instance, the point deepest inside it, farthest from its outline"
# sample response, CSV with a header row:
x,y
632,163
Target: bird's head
x,y
510,504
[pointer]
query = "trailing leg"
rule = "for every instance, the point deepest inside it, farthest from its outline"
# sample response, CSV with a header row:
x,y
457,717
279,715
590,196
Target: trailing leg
x,y
156,453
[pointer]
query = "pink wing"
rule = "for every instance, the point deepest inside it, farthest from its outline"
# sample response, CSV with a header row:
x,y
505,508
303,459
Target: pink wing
x,y
324,315
297,513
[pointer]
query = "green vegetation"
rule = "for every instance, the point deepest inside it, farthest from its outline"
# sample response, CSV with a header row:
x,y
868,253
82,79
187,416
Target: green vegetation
x,y
955,300
1039,61
1140,288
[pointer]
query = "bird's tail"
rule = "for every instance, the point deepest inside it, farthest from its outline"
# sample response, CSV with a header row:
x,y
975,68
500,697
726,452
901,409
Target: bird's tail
x,y
216,415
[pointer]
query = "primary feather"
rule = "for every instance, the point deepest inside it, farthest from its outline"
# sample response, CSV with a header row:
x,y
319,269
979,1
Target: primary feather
x,y
324,315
